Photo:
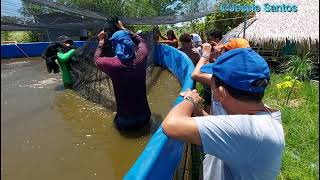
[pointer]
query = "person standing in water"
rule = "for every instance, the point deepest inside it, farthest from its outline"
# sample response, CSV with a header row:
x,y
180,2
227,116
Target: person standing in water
x,y
63,51
127,69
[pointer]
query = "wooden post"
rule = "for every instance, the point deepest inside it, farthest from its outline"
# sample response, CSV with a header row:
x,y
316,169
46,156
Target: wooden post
x,y
244,25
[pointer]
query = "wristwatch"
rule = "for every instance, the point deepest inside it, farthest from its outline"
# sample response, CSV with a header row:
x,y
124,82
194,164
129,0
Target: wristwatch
x,y
189,98
206,57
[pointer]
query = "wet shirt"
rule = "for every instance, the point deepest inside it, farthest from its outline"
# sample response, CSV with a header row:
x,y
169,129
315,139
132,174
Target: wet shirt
x,y
241,147
63,59
128,78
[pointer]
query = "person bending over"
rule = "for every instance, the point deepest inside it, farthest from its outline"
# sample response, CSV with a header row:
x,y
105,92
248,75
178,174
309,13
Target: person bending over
x,y
243,139
127,69
62,50
171,39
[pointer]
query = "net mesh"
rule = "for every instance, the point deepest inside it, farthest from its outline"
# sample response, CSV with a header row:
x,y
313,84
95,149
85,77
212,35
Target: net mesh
x,y
70,14
63,16
95,85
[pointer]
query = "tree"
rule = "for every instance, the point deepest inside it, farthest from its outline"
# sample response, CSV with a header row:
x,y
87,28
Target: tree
x,y
5,36
225,21
31,11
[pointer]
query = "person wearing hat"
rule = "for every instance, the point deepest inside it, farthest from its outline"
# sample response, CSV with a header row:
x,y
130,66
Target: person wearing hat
x,y
233,43
208,56
127,69
63,51
196,40
64,56
203,80
242,138
188,47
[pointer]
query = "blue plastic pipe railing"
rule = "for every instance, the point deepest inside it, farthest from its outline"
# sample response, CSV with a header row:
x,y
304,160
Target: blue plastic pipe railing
x,y
162,155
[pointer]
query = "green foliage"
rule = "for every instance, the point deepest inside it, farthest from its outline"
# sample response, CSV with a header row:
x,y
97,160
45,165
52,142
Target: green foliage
x,y
33,36
12,19
19,36
300,120
31,11
137,8
5,36
217,20
300,67
198,27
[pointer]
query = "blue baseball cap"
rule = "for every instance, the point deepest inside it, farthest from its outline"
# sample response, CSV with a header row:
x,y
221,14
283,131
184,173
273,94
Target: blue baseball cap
x,y
242,69
123,45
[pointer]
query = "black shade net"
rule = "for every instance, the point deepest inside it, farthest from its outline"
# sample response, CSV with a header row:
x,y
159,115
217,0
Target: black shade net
x,y
70,14
93,84
59,17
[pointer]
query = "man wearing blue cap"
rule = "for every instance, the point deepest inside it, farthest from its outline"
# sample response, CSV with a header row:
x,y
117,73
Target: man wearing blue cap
x,y
127,69
242,138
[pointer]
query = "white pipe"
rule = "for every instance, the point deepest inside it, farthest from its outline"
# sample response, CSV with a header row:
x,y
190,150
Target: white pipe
x,y
21,49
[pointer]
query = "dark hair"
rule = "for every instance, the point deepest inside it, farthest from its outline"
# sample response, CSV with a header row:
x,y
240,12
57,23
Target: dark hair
x,y
110,26
171,34
239,94
215,34
185,38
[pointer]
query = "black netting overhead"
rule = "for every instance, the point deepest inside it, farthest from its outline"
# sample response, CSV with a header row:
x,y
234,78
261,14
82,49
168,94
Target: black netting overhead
x,y
75,18
69,14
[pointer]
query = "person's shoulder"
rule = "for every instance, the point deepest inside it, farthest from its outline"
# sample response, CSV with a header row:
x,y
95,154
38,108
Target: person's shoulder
x,y
108,61
226,122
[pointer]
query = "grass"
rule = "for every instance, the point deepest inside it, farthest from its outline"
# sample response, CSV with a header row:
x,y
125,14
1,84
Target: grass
x,y
300,67
300,119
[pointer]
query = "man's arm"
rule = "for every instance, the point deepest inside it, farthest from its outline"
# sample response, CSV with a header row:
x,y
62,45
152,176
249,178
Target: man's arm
x,y
179,124
164,38
99,50
64,57
169,42
197,75
142,51
105,64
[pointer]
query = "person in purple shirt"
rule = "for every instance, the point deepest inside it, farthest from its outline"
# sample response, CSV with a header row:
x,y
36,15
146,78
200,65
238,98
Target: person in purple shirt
x,y
127,69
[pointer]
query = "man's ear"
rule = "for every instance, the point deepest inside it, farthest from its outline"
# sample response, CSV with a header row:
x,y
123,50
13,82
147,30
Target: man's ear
x,y
223,92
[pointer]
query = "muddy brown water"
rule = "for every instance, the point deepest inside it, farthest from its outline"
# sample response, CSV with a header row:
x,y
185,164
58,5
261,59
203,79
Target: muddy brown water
x,y
51,133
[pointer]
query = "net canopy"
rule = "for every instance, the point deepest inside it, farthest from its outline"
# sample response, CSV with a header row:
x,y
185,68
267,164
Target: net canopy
x,y
70,14
70,17
62,16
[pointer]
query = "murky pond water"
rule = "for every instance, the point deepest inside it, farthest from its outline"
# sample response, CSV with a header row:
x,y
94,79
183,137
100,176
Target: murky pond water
x,y
50,133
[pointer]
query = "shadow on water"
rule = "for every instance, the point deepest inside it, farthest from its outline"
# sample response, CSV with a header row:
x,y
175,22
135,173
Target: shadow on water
x,y
59,87
148,129
153,76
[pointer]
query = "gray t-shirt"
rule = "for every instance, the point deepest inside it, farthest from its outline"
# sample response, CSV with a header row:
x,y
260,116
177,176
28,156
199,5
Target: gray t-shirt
x,y
241,147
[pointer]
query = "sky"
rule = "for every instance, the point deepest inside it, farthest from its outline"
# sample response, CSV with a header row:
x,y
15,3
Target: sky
x,y
10,7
